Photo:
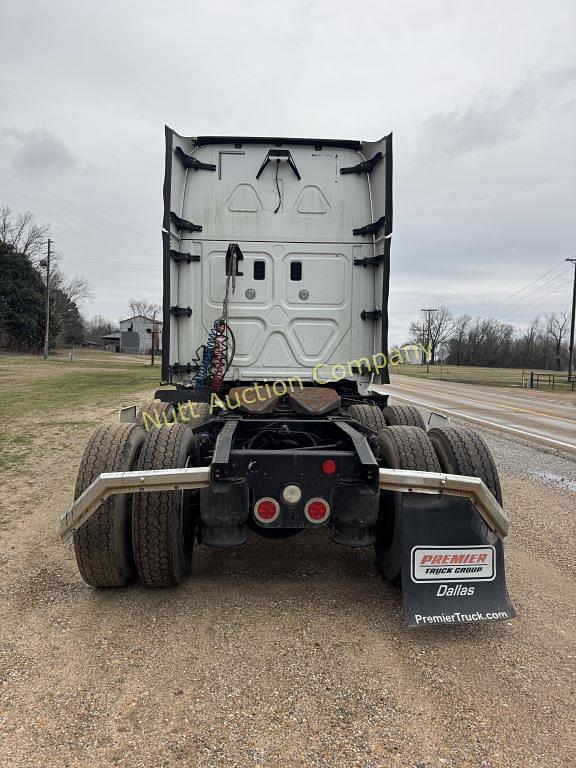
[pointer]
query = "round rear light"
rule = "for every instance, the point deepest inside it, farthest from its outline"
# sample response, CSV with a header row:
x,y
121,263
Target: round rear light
x,y
292,494
266,510
317,510
329,466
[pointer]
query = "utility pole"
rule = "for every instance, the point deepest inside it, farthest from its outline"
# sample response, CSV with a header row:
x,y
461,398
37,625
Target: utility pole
x,y
571,352
155,335
428,313
47,331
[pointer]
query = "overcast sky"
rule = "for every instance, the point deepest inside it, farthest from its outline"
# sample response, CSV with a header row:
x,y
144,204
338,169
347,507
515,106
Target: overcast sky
x,y
481,97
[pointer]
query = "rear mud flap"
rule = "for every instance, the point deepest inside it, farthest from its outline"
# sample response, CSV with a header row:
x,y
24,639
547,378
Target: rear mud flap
x,y
452,564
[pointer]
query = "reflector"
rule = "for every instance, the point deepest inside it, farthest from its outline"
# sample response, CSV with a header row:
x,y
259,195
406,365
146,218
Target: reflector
x,y
317,510
266,510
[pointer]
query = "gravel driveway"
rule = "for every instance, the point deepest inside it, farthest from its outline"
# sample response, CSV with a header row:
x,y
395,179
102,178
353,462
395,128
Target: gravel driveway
x,y
282,653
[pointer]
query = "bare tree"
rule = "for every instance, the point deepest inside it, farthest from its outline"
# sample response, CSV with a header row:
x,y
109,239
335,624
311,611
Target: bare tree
x,y
557,330
529,339
23,234
441,327
433,330
459,330
98,327
77,289
145,307
418,332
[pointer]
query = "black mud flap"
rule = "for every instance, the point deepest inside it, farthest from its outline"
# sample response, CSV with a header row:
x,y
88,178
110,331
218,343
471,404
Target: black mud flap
x,y
452,564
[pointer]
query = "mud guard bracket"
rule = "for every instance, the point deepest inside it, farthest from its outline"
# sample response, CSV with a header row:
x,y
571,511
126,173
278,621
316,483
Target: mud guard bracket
x,y
452,563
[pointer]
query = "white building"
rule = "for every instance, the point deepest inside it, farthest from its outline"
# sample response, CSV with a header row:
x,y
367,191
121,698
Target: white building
x,y
142,342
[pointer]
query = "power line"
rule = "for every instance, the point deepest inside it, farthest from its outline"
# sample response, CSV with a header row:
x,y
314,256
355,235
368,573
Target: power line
x,y
526,301
535,300
505,302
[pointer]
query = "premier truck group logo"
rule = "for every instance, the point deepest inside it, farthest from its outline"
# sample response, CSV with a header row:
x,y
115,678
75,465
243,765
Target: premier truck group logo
x,y
453,563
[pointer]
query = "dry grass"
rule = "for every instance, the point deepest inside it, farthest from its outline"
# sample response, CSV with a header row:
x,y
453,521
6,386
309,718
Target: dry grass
x,y
494,377
62,398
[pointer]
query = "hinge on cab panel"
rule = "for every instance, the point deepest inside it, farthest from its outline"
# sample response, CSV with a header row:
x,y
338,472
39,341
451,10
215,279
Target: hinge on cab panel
x,y
369,261
183,224
187,257
191,162
372,314
181,311
364,167
370,229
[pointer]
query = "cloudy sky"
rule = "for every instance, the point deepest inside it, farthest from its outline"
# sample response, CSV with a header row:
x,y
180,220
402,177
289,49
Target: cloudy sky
x,y
481,98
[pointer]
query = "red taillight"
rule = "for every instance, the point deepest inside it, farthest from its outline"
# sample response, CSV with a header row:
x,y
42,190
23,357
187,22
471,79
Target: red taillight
x,y
266,510
317,510
329,466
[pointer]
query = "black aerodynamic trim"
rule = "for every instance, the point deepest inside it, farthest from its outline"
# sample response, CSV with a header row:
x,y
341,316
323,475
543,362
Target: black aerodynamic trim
x,y
166,306
169,137
384,374
388,212
203,141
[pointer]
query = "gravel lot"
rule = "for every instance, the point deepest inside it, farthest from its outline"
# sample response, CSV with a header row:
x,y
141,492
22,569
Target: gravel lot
x,y
280,654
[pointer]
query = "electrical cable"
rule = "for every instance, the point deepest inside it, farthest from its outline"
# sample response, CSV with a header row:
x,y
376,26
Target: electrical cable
x,y
520,307
216,356
506,302
278,188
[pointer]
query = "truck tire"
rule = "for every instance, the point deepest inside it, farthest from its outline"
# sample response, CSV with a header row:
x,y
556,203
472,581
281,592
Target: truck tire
x,y
461,451
403,415
162,531
202,413
153,412
401,447
368,415
103,545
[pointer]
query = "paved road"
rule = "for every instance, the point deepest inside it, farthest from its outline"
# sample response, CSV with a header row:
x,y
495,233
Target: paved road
x,y
548,417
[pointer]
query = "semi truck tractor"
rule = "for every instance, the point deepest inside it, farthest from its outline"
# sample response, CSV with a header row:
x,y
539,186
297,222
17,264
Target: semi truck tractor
x,y
272,416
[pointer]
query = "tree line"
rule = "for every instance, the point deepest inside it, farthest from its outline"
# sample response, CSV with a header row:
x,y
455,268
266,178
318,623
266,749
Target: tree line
x,y
23,292
486,341
23,271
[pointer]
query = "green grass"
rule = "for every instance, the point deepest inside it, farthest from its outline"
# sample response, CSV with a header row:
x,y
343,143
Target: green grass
x,y
82,358
31,386
493,377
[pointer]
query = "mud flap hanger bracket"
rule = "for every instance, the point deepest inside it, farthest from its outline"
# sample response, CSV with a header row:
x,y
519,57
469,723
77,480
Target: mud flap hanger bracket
x,y
278,155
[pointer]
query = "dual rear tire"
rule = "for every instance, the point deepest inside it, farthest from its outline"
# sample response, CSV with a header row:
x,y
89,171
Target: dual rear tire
x,y
391,416
452,450
163,524
401,447
103,545
144,535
